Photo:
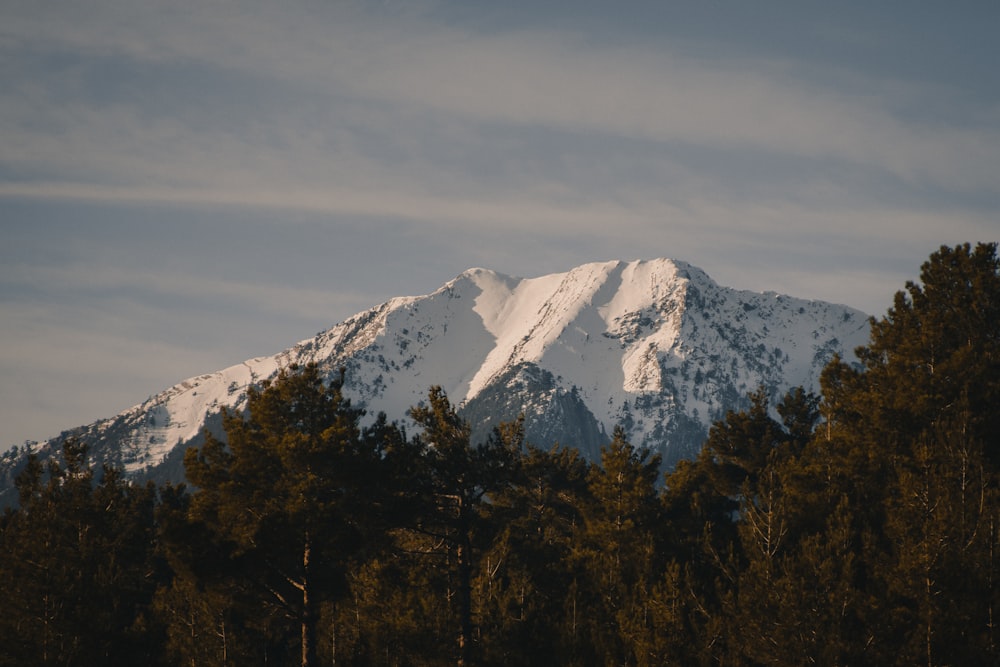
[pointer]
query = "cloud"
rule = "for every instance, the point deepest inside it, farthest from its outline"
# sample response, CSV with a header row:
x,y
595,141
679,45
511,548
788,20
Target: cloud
x,y
369,86
665,97
151,286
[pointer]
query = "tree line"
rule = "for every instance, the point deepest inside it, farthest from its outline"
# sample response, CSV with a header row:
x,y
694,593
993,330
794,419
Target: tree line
x,y
857,527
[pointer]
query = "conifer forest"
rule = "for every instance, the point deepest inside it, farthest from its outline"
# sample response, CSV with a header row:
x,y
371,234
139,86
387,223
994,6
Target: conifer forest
x,y
860,526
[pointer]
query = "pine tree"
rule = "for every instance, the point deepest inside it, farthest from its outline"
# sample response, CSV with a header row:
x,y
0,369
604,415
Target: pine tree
x,y
285,500
621,548
458,479
734,518
912,441
530,610
77,567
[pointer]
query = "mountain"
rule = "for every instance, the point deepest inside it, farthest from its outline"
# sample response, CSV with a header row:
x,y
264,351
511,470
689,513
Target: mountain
x,y
656,346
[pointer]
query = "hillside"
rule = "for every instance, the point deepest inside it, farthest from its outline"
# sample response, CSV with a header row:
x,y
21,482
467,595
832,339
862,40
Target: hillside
x,y
655,346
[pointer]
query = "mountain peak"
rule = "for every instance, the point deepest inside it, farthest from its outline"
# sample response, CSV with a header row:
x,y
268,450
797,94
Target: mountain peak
x,y
653,345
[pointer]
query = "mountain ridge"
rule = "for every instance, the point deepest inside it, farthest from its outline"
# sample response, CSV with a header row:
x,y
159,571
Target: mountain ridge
x,y
654,345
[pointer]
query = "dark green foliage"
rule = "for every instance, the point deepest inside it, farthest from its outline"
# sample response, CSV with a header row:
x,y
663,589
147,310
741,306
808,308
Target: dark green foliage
x,y
529,588
860,527
281,509
621,550
913,438
457,479
77,568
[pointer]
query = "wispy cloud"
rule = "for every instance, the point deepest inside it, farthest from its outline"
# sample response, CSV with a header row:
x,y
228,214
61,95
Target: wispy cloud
x,y
361,91
141,286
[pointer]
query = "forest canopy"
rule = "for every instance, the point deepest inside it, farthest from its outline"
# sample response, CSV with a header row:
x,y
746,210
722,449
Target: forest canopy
x,y
858,526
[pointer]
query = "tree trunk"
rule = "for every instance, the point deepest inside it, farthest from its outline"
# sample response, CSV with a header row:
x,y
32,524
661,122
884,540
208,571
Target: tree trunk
x,y
463,554
308,610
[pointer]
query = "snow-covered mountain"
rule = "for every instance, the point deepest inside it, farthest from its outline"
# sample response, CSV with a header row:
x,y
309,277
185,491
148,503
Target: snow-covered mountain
x,y
655,346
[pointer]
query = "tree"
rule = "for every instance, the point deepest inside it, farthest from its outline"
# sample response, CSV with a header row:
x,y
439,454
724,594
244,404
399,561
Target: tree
x,y
285,500
912,439
734,516
77,567
530,582
621,549
457,479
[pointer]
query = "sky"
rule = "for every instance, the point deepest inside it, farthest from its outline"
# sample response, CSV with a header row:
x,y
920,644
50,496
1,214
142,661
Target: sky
x,y
188,184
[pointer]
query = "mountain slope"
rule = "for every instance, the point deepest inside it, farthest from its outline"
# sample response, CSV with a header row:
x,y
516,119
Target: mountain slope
x,y
656,346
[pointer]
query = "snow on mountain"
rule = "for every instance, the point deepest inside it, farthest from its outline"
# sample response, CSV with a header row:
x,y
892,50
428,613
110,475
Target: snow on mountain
x,y
655,346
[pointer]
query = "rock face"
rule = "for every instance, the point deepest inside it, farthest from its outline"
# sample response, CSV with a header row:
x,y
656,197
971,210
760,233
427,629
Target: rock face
x,y
655,346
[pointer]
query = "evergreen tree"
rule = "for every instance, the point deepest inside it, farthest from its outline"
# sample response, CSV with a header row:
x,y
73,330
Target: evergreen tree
x,y
285,505
622,550
457,479
530,581
912,437
733,519
77,567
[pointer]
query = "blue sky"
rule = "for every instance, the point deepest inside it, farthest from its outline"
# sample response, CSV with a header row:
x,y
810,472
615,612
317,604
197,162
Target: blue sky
x,y
184,184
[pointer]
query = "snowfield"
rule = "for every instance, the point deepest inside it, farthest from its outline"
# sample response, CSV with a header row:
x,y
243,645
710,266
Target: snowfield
x,y
654,345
